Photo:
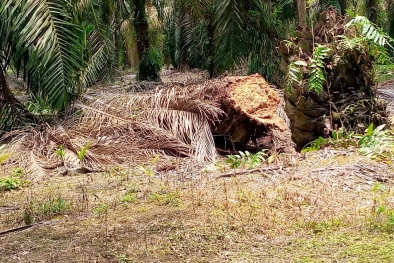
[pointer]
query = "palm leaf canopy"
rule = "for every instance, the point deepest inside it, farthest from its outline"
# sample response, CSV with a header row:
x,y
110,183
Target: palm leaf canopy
x,y
40,40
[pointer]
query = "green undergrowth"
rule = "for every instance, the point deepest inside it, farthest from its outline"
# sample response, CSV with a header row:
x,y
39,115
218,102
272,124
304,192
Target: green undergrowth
x,y
13,182
377,143
384,73
49,208
252,160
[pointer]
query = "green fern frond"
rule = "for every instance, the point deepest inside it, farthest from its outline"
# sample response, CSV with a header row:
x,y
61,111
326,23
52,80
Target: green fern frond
x,y
349,42
316,73
384,59
316,70
370,39
370,31
294,74
316,79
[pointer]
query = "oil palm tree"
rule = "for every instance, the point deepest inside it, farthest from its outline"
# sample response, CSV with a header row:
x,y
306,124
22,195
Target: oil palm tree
x,y
119,27
190,33
148,67
40,42
235,33
390,8
62,47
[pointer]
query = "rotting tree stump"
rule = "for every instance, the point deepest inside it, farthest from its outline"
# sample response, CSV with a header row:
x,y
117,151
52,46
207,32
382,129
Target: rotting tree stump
x,y
348,97
251,121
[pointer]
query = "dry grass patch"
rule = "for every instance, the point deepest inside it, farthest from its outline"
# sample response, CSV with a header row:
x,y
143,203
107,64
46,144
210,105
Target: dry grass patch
x,y
285,215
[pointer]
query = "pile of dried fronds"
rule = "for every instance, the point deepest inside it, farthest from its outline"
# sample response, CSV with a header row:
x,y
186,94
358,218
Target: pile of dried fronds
x,y
120,128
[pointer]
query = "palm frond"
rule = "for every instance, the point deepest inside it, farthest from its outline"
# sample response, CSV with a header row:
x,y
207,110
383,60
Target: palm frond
x,y
121,128
185,38
232,47
82,7
101,62
159,6
102,32
96,68
178,113
286,11
55,58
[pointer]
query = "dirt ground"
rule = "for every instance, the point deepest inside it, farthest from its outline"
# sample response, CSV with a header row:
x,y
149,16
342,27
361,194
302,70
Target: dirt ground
x,y
329,206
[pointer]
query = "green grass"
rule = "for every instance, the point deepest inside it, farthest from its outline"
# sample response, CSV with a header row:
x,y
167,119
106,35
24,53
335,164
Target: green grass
x,y
343,247
384,73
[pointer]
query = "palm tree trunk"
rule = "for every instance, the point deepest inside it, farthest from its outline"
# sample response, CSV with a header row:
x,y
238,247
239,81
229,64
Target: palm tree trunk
x,y
372,9
12,112
211,48
301,13
141,27
390,9
347,98
146,68
343,5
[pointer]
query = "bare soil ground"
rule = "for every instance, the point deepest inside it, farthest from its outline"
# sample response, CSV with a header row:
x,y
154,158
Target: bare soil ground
x,y
327,206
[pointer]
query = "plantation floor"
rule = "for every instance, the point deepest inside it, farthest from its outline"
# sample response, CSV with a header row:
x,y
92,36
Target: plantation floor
x,y
328,206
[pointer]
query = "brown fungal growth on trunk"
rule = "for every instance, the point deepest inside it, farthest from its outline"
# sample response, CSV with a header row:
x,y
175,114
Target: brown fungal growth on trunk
x,y
348,96
251,121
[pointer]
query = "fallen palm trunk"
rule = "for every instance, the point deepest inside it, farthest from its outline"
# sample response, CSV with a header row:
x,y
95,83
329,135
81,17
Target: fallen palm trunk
x,y
252,121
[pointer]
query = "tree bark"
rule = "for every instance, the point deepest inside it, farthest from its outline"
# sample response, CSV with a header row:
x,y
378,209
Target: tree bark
x,y
390,9
147,68
347,98
372,9
302,13
343,5
141,27
212,48
12,112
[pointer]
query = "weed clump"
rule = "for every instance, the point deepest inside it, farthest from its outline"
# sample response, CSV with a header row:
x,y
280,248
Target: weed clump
x,y
14,181
382,216
48,208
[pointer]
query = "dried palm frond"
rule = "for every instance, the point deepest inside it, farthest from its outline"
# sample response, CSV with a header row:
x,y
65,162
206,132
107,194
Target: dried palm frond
x,y
173,111
121,128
